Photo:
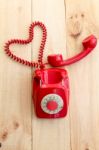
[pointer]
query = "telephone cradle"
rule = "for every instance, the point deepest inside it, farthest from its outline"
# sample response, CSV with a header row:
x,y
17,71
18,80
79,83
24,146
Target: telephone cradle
x,y
51,93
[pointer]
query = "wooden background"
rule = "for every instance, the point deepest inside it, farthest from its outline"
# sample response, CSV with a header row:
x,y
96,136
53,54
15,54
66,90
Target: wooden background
x,y
68,23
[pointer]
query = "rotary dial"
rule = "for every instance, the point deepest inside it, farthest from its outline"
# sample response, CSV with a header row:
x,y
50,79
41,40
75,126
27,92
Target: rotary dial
x,y
52,104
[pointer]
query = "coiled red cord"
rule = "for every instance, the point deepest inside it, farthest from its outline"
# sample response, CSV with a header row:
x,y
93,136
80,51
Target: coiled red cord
x,y
27,41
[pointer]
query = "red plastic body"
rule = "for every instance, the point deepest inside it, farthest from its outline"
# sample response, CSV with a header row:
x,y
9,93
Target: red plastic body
x,y
57,60
51,93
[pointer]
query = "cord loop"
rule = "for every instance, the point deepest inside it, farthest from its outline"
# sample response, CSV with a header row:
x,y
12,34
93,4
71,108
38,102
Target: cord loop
x,y
27,41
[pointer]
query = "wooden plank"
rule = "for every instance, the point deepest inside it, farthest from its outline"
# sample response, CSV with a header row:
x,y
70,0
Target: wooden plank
x,y
50,134
82,20
15,79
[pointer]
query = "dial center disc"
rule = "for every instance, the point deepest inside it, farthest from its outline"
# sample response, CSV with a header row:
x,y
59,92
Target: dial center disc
x,y
52,105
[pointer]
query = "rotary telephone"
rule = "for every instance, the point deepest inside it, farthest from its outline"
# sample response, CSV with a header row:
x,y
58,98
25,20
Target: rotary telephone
x,y
50,86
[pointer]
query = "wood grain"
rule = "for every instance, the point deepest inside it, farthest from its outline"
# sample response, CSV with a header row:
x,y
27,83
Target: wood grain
x,y
68,23
15,80
84,105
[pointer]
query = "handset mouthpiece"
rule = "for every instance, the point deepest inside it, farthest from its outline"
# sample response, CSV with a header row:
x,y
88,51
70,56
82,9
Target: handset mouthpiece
x,y
90,42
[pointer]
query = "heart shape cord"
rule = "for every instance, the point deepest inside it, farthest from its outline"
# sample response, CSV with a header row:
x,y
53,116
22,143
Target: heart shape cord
x,y
38,64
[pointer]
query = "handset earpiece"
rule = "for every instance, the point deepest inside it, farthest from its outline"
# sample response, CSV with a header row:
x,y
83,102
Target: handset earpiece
x,y
89,44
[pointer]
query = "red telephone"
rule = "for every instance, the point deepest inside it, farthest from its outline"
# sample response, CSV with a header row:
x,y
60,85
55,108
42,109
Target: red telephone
x,y
51,86
51,93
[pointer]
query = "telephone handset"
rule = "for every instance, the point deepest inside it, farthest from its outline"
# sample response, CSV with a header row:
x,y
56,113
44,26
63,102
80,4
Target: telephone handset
x,y
89,44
